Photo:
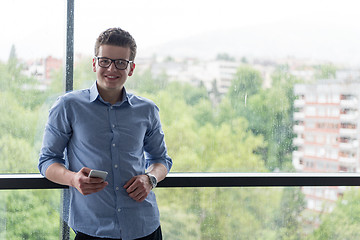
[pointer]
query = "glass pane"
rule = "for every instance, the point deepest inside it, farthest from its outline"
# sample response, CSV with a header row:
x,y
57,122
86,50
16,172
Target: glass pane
x,y
31,49
231,79
256,86
30,214
256,213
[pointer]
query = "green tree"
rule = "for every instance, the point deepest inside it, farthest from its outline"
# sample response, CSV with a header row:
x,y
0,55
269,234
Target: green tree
x,y
23,214
343,222
30,214
246,83
192,95
288,218
200,144
14,158
84,76
225,57
269,112
326,71
16,120
144,82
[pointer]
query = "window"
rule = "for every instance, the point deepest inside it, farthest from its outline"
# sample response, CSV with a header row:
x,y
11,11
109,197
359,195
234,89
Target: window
x,y
31,55
221,73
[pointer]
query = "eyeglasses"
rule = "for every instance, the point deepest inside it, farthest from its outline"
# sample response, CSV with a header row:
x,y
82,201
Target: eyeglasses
x,y
120,64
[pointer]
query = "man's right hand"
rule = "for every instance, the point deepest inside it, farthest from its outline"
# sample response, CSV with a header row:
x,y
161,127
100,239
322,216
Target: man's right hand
x,y
86,185
57,172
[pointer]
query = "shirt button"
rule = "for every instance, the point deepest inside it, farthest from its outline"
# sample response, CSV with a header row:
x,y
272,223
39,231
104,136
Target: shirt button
x,y
113,125
111,107
118,209
117,188
115,165
113,145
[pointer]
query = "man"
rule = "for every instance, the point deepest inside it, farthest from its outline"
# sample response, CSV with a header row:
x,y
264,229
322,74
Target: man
x,y
105,128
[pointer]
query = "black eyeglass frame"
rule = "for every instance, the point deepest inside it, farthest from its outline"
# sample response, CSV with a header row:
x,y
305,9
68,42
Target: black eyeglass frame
x,y
114,61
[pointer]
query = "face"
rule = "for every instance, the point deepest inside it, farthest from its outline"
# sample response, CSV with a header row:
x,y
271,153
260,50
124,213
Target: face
x,y
111,78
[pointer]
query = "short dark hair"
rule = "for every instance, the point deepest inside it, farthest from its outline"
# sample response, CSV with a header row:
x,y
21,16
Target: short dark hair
x,y
116,37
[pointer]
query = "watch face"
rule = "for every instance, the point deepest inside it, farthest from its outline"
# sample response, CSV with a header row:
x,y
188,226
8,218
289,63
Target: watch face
x,y
153,180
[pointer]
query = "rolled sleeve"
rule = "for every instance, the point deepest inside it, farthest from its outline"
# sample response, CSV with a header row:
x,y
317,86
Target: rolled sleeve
x,y
56,136
154,144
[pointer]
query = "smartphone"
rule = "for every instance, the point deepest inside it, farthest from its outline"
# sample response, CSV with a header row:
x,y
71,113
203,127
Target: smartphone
x,y
98,174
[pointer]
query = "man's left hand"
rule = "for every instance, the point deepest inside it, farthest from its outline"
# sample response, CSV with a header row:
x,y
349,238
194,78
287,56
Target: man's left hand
x,y
138,187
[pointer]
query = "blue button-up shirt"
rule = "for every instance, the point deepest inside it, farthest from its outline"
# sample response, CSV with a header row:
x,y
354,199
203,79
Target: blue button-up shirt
x,y
123,139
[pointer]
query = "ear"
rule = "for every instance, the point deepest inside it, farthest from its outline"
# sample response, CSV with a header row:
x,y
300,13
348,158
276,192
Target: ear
x,y
94,65
132,68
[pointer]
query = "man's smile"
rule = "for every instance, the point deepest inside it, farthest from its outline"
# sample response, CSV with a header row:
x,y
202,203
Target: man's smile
x,y
111,77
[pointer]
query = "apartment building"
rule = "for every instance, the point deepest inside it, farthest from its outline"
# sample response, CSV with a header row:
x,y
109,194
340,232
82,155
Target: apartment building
x,y
327,127
41,69
212,74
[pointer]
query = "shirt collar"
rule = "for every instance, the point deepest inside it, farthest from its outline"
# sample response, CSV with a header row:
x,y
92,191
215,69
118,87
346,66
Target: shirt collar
x,y
94,94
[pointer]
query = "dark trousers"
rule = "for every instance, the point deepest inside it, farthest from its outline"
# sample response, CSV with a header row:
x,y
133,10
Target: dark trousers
x,y
157,235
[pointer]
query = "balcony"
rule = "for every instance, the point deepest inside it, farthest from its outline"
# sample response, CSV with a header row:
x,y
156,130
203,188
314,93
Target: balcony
x,y
298,128
351,103
207,203
296,163
348,132
348,161
298,154
298,141
349,145
299,103
299,115
351,117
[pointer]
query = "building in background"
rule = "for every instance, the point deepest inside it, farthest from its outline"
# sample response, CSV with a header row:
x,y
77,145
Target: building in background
x,y
41,69
327,128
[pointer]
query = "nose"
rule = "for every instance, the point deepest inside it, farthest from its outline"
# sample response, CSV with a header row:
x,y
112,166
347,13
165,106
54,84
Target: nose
x,y
112,66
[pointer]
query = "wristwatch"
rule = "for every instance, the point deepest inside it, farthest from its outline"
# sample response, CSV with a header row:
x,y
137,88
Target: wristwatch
x,y
153,180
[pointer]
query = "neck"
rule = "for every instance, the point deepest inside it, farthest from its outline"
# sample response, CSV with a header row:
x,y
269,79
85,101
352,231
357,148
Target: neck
x,y
111,96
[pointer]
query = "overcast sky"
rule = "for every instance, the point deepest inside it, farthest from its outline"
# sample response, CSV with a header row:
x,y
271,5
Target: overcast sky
x,y
37,27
